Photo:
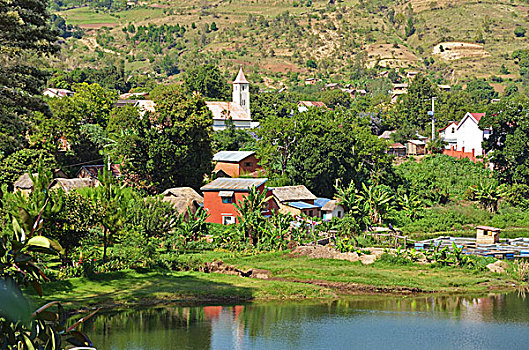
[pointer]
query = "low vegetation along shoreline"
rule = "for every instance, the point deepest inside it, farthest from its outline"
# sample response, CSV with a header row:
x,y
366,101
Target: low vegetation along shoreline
x,y
276,276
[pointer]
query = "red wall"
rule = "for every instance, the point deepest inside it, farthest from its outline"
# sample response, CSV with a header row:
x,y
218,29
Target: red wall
x,y
461,154
215,208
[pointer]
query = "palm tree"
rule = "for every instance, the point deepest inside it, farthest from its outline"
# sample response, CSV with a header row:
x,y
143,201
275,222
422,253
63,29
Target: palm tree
x,y
250,213
488,195
376,201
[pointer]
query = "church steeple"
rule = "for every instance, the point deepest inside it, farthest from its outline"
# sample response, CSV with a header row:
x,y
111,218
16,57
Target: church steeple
x,y
241,91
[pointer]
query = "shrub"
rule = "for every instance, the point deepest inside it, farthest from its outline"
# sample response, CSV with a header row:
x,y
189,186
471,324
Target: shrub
x,y
519,32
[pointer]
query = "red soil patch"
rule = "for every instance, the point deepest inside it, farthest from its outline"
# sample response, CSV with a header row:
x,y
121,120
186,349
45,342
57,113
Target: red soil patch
x,y
97,25
159,6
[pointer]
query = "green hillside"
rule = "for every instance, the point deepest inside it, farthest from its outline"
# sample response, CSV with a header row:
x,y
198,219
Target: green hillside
x,y
289,40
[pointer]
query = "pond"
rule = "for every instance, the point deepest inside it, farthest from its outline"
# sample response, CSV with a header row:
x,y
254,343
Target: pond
x,y
363,322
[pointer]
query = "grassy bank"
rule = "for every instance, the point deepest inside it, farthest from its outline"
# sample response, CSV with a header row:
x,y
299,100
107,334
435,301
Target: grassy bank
x,y
290,278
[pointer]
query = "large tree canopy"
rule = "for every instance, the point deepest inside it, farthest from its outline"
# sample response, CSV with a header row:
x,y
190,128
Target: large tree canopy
x,y
170,148
412,108
317,147
509,121
25,33
208,81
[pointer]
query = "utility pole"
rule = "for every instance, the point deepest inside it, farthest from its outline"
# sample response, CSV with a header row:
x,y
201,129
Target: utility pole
x,y
432,113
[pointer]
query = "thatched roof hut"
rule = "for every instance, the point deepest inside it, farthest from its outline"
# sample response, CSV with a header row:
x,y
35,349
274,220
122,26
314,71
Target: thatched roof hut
x,y
292,194
25,184
72,184
182,198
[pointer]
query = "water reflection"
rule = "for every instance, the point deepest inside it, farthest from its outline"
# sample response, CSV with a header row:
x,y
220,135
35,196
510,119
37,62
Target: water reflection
x,y
494,321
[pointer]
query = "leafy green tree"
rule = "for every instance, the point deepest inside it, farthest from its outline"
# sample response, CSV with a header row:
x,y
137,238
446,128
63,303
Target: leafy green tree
x,y
171,147
412,108
111,202
70,220
25,33
272,104
207,80
232,139
507,144
336,98
317,147
21,162
480,91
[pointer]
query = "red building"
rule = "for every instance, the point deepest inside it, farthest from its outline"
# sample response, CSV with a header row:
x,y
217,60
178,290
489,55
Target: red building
x,y
222,193
235,163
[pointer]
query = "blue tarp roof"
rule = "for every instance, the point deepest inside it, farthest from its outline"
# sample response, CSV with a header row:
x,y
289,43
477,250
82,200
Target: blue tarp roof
x,y
302,205
320,202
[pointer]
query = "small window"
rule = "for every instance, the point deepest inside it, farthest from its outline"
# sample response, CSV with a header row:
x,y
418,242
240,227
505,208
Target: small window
x,y
248,164
227,200
310,212
228,220
242,87
339,214
243,102
453,130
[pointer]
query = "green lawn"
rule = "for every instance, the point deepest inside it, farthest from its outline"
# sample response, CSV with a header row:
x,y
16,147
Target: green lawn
x,y
424,277
292,278
135,287
85,15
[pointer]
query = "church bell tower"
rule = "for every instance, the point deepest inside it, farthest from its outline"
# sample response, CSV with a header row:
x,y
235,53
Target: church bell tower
x,y
241,91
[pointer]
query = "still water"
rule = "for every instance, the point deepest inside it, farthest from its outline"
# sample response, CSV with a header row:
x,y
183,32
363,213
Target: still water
x,y
490,322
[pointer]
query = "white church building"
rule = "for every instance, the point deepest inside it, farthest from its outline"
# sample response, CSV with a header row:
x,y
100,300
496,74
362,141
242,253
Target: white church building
x,y
238,109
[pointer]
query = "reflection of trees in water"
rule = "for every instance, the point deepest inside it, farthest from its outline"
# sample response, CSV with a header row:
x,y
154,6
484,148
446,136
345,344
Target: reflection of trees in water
x,y
193,327
154,328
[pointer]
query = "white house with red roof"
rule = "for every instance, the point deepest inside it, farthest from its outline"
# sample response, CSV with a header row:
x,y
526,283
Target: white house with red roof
x,y
238,110
449,134
469,135
466,137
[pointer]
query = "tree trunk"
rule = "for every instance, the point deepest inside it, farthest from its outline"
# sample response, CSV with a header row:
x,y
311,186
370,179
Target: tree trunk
x,y
104,245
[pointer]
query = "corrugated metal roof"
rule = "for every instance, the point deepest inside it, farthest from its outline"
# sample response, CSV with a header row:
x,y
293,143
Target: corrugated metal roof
x,y
232,156
320,202
225,110
233,184
226,194
302,205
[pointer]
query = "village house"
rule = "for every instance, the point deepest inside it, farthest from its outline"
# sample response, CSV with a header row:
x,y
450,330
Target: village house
x,y
397,149
235,163
312,81
68,185
222,193
304,106
329,208
238,110
415,147
183,199
93,171
25,185
398,90
143,106
295,200
448,134
52,92
332,86
466,137
354,93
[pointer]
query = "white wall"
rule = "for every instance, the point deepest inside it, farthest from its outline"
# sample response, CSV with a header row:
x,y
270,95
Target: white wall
x,y
470,137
